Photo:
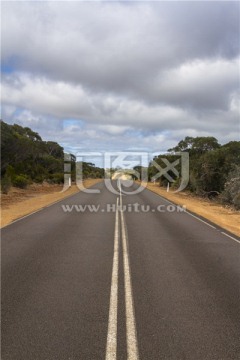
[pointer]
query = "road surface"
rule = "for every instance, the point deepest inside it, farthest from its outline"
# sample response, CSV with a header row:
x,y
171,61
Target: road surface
x,y
133,278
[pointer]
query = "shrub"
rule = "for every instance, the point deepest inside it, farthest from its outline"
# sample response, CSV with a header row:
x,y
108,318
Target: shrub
x,y
6,184
39,179
20,181
10,172
231,193
57,178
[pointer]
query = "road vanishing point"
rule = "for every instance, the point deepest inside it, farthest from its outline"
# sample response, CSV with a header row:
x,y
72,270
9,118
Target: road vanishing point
x,y
93,277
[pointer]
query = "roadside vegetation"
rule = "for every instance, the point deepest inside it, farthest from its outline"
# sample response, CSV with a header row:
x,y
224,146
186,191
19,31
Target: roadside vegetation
x,y
26,159
214,169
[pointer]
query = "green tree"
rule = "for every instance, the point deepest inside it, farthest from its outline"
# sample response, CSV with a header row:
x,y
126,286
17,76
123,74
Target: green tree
x,y
27,154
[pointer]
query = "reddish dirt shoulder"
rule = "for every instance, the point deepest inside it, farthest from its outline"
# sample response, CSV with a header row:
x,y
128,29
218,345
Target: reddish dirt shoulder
x,y
225,217
21,202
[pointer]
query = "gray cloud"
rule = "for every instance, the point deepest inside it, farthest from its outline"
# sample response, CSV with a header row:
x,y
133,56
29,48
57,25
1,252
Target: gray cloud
x,y
149,72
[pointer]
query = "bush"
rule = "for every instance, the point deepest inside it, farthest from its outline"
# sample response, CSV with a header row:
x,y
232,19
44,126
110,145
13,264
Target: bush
x,y
20,181
10,172
6,184
57,178
231,193
236,200
39,179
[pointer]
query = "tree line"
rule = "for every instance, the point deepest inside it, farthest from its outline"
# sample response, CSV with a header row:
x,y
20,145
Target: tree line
x,y
26,158
214,169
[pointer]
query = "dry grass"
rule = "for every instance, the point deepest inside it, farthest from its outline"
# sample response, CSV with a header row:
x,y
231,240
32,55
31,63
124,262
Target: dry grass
x,y
18,202
227,218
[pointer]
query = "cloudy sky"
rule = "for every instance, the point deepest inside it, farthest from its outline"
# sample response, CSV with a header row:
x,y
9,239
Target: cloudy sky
x,y
101,76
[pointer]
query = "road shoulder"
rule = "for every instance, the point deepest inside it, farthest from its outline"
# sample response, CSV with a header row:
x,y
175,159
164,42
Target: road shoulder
x,y
27,206
226,218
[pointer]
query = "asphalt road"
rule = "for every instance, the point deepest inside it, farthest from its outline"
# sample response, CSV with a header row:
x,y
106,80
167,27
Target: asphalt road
x,y
141,280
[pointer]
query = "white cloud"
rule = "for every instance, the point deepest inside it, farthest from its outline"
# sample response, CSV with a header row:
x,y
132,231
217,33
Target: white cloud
x,y
114,129
201,83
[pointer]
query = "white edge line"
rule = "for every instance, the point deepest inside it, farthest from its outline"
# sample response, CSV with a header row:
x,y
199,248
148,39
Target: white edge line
x,y
42,208
196,217
111,347
21,218
230,237
187,212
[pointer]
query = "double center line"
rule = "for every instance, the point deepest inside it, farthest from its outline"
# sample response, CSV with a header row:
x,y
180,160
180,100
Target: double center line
x,y
131,337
